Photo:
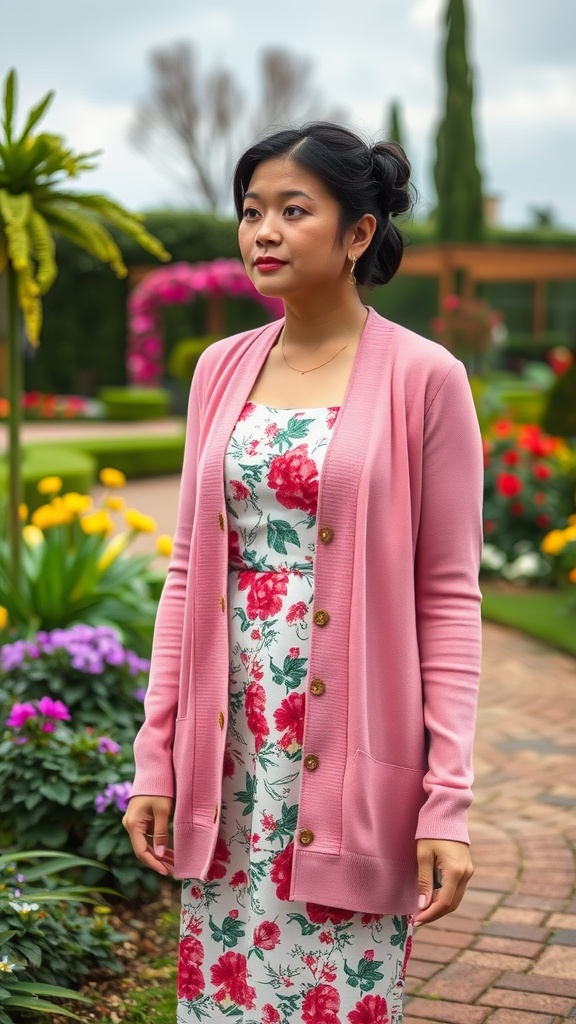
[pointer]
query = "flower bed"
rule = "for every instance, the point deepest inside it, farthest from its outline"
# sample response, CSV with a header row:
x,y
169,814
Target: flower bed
x,y
39,406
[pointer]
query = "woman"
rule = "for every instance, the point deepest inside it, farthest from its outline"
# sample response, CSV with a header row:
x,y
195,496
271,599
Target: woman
x,y
317,649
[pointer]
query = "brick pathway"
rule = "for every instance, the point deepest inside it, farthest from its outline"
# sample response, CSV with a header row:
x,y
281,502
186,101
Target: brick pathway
x,y
508,955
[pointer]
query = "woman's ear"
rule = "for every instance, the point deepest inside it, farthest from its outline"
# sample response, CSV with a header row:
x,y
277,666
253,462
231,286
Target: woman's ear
x,y
363,233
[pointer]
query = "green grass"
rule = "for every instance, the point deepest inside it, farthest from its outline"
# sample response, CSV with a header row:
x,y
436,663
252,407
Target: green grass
x,y
545,614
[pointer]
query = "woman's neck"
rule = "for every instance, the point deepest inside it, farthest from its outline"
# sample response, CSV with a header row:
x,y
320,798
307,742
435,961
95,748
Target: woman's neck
x,y
317,323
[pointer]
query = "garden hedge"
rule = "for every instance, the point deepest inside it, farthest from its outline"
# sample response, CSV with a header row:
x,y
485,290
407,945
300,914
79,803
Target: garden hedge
x,y
135,403
76,467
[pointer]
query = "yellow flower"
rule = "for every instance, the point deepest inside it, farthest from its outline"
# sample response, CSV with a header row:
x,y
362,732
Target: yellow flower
x,y
112,478
553,542
62,514
112,550
77,503
3,617
570,533
23,512
33,535
43,517
572,575
115,503
97,522
49,485
139,522
164,545
572,520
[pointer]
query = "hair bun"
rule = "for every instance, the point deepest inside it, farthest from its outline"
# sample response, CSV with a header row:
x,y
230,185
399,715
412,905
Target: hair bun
x,y
391,169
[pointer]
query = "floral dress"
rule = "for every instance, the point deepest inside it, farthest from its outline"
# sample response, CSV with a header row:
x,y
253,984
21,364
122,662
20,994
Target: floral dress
x,y
247,952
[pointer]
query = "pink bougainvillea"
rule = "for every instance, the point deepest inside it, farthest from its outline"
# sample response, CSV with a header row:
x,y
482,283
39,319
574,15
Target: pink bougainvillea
x,y
179,283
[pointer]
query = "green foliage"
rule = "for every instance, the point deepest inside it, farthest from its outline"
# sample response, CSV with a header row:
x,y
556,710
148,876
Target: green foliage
x,y
545,614
394,131
185,355
136,457
135,403
559,416
460,213
46,935
76,469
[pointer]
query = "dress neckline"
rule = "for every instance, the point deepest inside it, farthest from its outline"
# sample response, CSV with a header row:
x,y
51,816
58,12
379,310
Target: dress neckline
x,y
296,408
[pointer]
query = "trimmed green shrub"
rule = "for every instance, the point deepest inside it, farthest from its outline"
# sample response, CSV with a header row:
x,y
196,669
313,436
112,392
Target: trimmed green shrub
x,y
135,403
72,463
185,355
559,417
134,456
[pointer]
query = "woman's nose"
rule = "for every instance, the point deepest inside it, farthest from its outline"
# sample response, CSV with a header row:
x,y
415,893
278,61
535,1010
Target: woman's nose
x,y
268,230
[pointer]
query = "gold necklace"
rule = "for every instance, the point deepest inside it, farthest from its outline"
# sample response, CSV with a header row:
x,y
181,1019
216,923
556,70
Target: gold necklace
x,y
326,361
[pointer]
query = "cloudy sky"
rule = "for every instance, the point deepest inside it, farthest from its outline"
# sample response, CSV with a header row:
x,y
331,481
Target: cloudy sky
x,y
365,53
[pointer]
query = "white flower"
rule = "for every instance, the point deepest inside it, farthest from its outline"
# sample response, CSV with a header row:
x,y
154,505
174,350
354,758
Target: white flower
x,y
526,566
492,557
5,966
23,908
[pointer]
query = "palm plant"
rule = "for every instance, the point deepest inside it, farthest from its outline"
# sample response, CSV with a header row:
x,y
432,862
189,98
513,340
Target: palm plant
x,y
35,205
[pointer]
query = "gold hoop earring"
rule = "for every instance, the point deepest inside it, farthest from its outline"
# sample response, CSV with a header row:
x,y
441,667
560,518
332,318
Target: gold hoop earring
x,y
352,276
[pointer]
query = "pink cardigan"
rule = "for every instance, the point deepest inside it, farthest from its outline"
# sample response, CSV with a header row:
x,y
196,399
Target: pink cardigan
x,y
401,489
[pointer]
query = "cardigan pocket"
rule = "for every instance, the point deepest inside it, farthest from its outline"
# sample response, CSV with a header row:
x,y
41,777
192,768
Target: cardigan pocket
x,y
381,803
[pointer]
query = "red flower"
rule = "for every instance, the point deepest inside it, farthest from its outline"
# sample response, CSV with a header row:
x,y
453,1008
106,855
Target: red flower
x,y
190,978
196,893
230,972
543,520
540,498
294,477
234,555
271,430
239,879
508,484
255,706
326,937
369,954
503,427
221,857
333,411
266,935
489,525
321,1005
229,765
265,592
270,1015
451,302
542,471
239,490
233,914
370,1010
289,719
407,953
511,457
320,915
268,822
247,411
281,872
294,652
255,634
516,508
296,612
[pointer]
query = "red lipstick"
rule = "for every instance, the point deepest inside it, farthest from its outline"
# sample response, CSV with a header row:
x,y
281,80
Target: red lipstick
x,y
268,263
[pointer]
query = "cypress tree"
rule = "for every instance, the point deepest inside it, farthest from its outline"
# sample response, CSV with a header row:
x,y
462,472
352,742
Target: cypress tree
x,y
460,213
394,131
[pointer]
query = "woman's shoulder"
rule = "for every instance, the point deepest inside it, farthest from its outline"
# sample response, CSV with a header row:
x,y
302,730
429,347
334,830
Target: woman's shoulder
x,y
414,347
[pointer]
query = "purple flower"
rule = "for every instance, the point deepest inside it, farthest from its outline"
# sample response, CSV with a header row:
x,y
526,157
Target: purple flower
x,y
140,693
12,655
117,793
53,709
108,746
19,715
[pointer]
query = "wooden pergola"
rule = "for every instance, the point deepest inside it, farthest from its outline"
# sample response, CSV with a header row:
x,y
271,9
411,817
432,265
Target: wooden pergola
x,y
486,263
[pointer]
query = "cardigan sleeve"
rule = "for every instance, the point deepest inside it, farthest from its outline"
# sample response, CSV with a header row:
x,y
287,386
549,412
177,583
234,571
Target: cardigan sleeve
x,y
153,745
448,602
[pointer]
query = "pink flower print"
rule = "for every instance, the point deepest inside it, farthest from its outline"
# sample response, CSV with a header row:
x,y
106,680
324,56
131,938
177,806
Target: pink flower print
x,y
321,1005
333,411
326,937
191,982
254,840
196,893
265,592
239,490
255,706
369,954
368,919
221,858
239,880
268,822
407,953
252,448
19,715
234,554
229,766
289,719
256,670
281,872
270,1015
370,1010
53,709
266,935
247,411
296,612
255,634
230,973
294,477
233,914
294,652
271,431
320,915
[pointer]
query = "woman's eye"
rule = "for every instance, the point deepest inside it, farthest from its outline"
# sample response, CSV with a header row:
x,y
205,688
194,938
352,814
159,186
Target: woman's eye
x,y
293,211
250,213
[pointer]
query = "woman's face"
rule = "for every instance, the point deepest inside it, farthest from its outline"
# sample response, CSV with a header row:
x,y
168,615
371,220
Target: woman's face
x,y
289,232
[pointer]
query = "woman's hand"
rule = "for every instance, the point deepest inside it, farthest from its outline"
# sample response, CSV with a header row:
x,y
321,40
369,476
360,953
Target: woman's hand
x,y
450,861
146,822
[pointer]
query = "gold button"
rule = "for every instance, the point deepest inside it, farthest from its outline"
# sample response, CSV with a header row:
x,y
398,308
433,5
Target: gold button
x,y
306,837
326,534
317,687
221,521
221,719
311,762
321,618
215,811
223,603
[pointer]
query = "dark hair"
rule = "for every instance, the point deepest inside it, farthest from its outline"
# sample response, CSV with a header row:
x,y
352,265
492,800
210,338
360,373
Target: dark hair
x,y
361,178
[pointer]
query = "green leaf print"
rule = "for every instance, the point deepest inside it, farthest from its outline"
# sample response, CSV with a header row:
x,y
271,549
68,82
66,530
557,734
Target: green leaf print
x,y
267,757
200,1006
251,474
292,672
307,927
229,932
245,623
295,430
366,975
279,534
230,510
247,796
286,826
401,931
274,789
